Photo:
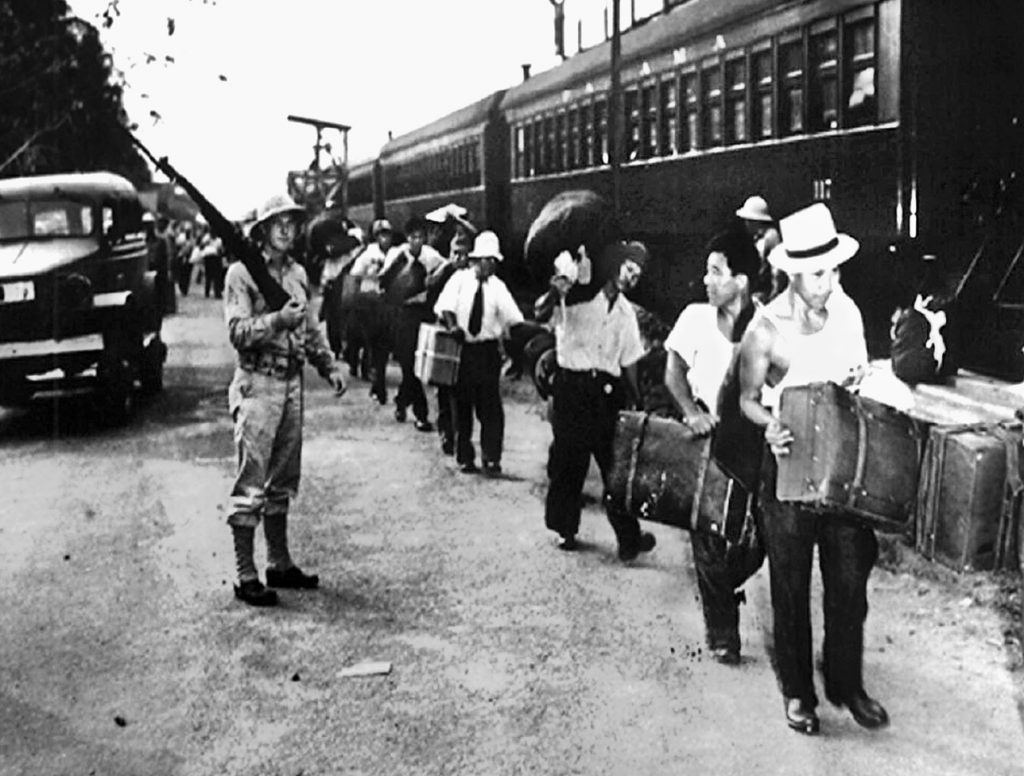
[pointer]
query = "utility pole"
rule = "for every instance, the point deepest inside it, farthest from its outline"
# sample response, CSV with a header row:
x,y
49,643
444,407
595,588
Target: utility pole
x,y
320,125
616,121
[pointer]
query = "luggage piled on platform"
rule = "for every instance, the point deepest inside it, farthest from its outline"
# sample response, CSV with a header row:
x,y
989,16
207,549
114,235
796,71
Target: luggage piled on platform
x,y
437,355
969,502
957,492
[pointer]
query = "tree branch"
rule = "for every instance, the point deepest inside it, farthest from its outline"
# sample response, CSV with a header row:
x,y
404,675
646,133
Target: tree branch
x,y
32,139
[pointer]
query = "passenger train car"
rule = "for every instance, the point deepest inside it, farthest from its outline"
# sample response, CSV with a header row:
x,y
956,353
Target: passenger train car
x,y
904,115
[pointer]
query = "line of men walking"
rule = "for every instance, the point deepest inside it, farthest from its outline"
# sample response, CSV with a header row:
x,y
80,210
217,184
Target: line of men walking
x,y
728,360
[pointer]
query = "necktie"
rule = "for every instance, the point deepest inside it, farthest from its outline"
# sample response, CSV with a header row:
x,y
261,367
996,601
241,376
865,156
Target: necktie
x,y
476,313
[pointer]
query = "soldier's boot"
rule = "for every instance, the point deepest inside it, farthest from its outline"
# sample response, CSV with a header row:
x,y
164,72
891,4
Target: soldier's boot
x,y
249,588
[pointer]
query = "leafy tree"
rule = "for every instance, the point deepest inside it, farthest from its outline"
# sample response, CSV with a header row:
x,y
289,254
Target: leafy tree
x,y
59,106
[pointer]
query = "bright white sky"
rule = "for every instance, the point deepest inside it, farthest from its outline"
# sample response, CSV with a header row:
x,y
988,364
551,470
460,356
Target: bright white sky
x,y
376,65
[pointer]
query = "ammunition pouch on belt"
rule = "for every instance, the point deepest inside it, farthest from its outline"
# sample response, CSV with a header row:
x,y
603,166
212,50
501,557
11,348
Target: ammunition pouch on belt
x,y
271,364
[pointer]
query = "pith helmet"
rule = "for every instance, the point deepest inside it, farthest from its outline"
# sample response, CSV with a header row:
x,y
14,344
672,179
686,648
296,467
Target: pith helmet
x,y
275,205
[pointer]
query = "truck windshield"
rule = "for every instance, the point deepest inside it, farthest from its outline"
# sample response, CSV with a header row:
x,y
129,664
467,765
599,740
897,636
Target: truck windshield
x,y
42,219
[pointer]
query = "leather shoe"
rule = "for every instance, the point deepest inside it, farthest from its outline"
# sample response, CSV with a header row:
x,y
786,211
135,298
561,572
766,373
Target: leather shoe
x,y
727,656
400,414
254,593
492,468
468,468
645,543
447,445
568,544
866,711
424,425
293,578
801,718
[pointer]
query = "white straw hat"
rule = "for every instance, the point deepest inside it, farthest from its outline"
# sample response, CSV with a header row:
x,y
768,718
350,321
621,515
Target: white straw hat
x,y
810,242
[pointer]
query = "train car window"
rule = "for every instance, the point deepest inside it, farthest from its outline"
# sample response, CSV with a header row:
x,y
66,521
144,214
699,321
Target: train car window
x,y
586,137
762,77
650,108
529,148
859,101
691,107
600,132
548,155
791,93
824,81
736,100
573,139
711,86
559,145
668,126
631,100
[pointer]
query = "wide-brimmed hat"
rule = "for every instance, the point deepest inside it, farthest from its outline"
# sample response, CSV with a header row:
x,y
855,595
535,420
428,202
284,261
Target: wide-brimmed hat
x,y
486,246
810,242
755,209
276,205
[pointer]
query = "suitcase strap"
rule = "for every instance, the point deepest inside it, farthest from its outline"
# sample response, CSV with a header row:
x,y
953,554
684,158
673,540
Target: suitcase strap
x,y
634,458
862,454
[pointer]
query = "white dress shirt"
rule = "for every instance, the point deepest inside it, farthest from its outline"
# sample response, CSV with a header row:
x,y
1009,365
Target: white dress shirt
x,y
500,309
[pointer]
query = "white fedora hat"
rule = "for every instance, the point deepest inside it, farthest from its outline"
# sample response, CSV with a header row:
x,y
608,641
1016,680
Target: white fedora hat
x,y
755,209
810,242
486,246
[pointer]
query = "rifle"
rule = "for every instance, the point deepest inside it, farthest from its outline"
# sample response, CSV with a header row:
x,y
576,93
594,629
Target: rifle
x,y
234,243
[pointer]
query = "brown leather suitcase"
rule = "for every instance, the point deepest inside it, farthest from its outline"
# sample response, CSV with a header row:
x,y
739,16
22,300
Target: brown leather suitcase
x,y
969,500
656,466
852,454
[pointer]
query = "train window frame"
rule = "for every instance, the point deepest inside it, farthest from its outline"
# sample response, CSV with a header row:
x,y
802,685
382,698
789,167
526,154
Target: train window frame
x,y
712,102
852,64
548,124
600,124
762,89
791,82
689,138
572,144
650,137
632,114
586,149
559,147
823,81
737,100
668,114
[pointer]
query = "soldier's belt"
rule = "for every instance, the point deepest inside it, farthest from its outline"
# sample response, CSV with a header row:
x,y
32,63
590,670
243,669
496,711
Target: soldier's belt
x,y
271,364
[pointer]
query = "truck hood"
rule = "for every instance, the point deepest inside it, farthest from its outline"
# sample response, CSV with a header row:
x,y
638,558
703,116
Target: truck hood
x,y
27,259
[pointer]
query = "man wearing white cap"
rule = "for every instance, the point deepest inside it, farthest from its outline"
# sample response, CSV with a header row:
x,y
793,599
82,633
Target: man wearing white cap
x,y
760,225
265,398
480,307
369,316
812,332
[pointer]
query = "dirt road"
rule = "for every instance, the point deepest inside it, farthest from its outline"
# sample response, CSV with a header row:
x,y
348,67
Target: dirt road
x,y
124,653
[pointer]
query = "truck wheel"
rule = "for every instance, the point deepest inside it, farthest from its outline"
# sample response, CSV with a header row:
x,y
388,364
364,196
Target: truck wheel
x,y
115,394
151,367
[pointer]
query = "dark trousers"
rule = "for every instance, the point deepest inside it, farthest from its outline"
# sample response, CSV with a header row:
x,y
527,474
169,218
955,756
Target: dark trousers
x,y
410,391
213,272
478,392
446,414
585,408
718,597
372,322
847,552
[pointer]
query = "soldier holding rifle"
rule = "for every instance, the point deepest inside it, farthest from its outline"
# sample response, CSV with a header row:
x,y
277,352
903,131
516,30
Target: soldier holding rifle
x,y
812,332
265,398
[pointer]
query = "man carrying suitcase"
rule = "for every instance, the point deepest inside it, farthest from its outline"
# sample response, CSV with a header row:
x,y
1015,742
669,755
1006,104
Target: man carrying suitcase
x,y
812,332
700,349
